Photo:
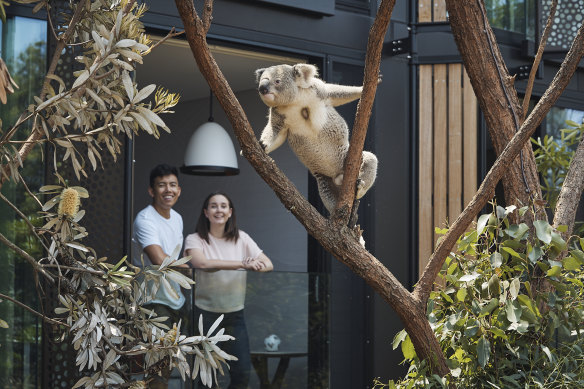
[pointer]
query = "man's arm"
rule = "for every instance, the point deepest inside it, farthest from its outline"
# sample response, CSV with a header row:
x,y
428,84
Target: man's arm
x,y
157,255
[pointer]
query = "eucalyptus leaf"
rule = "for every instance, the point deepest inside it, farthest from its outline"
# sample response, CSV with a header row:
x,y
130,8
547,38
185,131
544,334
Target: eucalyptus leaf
x,y
407,348
496,259
483,351
482,222
543,231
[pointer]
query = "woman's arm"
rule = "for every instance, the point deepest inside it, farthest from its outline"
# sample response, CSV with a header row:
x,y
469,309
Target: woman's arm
x,y
200,261
265,262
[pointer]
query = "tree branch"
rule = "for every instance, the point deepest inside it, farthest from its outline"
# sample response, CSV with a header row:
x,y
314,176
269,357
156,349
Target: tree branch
x,y
501,166
24,255
45,318
569,196
370,81
338,240
537,60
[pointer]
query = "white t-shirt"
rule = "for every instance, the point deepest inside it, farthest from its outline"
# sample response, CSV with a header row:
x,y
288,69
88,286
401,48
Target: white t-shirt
x,y
150,228
222,291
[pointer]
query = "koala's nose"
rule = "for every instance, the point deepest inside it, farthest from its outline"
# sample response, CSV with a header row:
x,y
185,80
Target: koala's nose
x,y
263,88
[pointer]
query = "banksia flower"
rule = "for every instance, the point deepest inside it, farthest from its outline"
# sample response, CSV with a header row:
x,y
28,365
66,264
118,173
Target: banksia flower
x,y
69,204
170,336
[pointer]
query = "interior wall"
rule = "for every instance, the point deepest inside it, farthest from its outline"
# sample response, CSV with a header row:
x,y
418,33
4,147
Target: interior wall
x,y
259,211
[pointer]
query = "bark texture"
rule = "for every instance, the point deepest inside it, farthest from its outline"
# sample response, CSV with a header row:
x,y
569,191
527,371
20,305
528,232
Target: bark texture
x,y
496,94
569,198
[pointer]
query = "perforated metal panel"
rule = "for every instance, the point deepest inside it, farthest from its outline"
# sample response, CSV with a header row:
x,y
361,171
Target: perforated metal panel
x,y
569,16
104,221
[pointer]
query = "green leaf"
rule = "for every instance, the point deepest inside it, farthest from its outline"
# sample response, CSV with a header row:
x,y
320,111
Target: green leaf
x,y
461,294
528,303
554,271
489,307
494,285
48,188
482,222
469,277
535,254
543,231
513,311
514,287
517,231
558,241
483,351
398,338
579,255
407,348
3,324
571,263
496,260
511,251
498,332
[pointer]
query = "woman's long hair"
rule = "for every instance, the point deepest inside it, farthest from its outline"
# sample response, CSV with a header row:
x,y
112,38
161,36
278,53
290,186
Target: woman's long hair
x,y
203,225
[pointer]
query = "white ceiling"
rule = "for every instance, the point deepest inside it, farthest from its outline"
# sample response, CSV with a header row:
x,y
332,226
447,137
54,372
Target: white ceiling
x,y
172,66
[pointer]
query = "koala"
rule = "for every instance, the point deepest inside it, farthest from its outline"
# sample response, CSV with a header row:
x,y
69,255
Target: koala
x,y
302,111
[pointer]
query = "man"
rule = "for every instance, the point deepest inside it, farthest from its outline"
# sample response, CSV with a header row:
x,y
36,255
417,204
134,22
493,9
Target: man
x,y
158,231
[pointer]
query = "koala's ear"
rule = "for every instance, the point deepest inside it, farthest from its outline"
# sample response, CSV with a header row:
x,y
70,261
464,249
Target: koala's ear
x,y
258,74
304,74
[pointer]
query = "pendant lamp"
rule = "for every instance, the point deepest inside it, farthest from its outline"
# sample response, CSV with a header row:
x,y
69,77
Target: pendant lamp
x,y
210,151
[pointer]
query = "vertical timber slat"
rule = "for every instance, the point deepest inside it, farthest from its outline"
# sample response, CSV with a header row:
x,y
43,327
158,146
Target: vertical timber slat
x,y
470,141
439,10
425,223
424,11
455,177
440,146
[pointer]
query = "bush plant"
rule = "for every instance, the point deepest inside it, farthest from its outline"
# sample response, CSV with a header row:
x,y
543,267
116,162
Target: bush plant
x,y
494,328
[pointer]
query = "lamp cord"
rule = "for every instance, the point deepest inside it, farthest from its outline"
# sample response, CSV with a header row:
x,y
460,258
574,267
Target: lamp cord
x,y
211,106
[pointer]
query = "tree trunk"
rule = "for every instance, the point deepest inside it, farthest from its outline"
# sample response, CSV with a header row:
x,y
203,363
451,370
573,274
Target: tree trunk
x,y
497,97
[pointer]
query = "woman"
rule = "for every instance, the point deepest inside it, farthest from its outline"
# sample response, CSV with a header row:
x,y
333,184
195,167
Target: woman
x,y
218,249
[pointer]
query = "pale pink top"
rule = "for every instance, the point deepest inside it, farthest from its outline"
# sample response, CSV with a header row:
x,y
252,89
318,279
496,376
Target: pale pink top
x,y
222,291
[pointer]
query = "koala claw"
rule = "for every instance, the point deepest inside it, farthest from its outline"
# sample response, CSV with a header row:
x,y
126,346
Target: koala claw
x,y
379,78
339,179
361,188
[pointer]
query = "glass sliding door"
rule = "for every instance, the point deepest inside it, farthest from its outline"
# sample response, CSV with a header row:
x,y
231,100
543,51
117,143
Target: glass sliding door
x,y
23,48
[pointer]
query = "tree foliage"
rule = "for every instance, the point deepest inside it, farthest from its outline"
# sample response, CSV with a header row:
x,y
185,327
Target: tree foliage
x,y
495,327
101,304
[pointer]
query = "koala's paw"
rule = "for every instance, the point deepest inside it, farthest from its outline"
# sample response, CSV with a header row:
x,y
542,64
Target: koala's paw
x,y
338,179
361,188
264,146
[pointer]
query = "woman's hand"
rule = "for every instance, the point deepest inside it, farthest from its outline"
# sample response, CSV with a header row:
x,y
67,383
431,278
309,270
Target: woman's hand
x,y
252,264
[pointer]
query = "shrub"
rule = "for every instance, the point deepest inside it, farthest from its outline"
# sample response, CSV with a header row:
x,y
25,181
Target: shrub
x,y
508,310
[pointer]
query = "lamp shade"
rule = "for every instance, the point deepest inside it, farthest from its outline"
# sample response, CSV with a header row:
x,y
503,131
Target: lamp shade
x,y
210,152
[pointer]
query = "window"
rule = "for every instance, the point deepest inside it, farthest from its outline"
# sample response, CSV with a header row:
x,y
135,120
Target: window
x,y
23,48
513,15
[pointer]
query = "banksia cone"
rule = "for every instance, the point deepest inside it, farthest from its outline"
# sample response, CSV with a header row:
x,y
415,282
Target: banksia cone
x,y
69,204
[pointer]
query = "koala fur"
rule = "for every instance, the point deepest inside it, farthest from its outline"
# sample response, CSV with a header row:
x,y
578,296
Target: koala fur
x,y
302,111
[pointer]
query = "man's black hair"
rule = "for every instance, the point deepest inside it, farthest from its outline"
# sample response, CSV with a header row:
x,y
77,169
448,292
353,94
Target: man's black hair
x,y
161,171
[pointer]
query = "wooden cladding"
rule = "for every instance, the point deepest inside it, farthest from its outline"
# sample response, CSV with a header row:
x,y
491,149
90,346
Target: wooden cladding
x,y
431,11
447,150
